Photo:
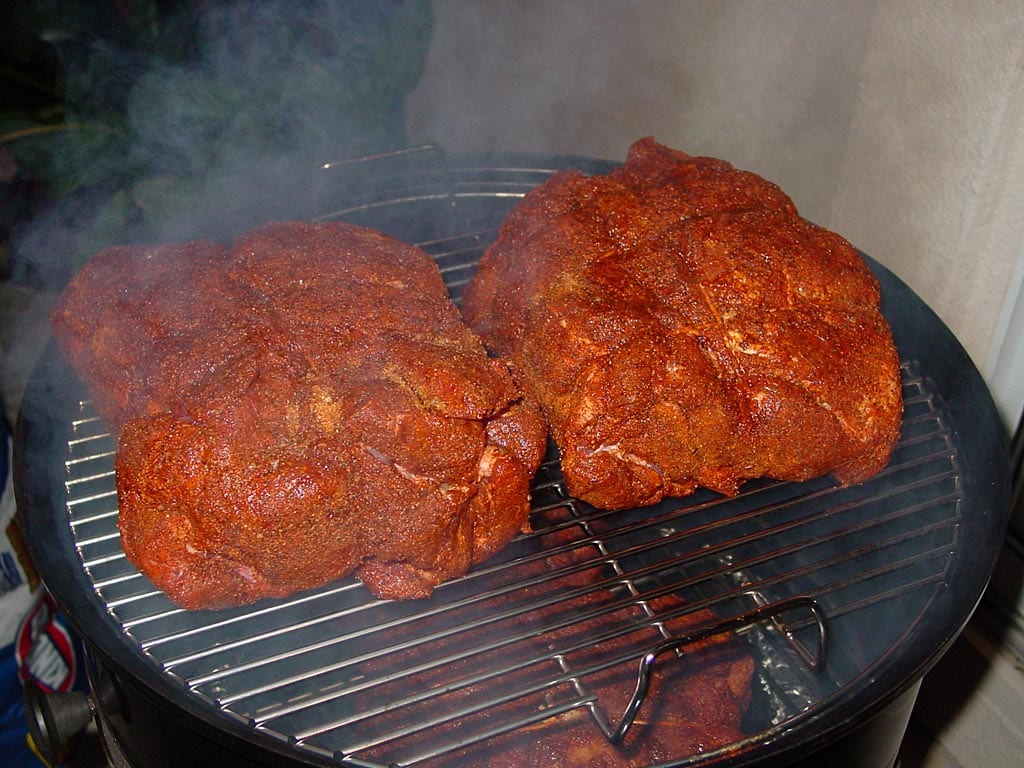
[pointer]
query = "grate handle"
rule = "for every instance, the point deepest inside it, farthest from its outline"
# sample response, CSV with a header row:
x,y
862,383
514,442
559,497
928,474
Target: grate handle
x,y
381,176
772,611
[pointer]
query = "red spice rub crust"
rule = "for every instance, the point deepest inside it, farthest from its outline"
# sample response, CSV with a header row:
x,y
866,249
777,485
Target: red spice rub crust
x,y
302,405
681,325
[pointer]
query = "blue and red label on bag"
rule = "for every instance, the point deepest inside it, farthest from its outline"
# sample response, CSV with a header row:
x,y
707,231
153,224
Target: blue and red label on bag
x,y
47,653
35,641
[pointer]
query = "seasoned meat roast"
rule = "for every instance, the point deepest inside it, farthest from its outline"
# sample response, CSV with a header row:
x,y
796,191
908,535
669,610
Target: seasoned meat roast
x,y
681,325
302,405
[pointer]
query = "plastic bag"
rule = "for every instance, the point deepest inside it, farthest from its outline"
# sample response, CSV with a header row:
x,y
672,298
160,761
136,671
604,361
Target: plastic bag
x,y
16,601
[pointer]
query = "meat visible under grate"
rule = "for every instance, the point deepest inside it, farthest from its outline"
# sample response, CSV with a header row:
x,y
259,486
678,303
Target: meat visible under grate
x,y
523,665
681,325
305,404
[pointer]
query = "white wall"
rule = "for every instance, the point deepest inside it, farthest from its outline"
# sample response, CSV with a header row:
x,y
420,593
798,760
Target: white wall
x,y
898,123
933,171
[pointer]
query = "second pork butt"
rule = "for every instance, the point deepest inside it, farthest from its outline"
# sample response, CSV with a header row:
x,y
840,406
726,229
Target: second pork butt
x,y
305,404
681,325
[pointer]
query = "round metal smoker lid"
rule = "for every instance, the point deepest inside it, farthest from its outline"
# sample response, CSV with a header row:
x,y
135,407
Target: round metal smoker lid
x,y
896,565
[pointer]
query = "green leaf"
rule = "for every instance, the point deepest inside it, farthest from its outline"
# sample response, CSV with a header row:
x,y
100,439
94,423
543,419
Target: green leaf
x,y
109,226
162,196
177,115
403,47
63,156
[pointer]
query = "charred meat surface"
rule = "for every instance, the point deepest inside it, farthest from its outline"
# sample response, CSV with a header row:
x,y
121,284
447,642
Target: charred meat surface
x,y
305,404
681,325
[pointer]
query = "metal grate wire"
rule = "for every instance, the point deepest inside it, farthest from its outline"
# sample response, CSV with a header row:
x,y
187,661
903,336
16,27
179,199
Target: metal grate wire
x,y
338,674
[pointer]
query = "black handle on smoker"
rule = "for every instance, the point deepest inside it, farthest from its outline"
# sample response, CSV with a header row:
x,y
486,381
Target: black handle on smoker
x,y
55,719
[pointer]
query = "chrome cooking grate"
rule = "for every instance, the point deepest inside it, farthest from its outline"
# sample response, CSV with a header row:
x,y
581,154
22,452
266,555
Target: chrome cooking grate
x,y
341,676
297,668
